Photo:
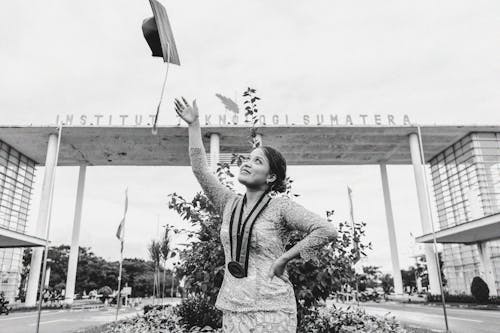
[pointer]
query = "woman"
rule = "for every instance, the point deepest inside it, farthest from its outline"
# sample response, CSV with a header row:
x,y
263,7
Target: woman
x,y
256,294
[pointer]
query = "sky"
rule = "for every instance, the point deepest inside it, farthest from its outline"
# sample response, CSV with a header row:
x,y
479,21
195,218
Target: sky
x,y
435,61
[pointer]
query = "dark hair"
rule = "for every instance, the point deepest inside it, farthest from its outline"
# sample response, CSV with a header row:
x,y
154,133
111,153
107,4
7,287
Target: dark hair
x,y
277,166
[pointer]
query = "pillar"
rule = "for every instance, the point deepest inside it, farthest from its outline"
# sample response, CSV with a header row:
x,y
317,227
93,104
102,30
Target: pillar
x,y
425,217
214,150
42,220
47,277
488,272
396,270
73,253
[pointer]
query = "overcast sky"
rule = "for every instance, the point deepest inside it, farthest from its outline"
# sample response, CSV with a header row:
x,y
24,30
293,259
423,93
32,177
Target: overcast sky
x,y
436,61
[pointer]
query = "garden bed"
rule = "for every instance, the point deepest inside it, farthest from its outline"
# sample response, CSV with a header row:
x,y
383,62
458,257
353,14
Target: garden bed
x,y
319,320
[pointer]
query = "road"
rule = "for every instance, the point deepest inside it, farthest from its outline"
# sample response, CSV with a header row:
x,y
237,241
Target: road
x,y
60,321
459,320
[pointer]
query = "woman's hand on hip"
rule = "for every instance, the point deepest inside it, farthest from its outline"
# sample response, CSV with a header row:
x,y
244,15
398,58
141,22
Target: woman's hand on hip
x,y
278,269
187,112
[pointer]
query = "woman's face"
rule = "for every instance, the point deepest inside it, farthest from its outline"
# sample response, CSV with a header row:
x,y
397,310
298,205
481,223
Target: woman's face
x,y
254,172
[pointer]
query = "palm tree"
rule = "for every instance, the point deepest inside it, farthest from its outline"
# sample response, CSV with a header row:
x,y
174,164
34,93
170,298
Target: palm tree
x,y
165,251
155,255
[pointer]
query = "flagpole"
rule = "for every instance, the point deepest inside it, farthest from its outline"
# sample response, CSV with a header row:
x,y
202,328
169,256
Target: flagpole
x,y
355,245
119,286
434,242
121,236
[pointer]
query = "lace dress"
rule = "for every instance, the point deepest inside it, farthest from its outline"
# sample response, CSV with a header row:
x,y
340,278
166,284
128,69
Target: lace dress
x,y
257,303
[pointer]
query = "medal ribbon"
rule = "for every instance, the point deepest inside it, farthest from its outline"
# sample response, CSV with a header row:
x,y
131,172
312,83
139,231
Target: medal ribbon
x,y
241,232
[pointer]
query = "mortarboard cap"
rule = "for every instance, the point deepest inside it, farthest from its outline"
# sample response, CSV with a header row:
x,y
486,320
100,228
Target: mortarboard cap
x,y
158,33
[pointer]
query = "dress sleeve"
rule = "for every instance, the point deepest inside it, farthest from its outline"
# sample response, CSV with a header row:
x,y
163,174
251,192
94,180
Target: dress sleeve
x,y
319,231
216,192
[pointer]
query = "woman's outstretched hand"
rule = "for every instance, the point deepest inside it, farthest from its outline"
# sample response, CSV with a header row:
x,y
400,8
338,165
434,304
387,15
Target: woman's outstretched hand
x,y
277,269
187,112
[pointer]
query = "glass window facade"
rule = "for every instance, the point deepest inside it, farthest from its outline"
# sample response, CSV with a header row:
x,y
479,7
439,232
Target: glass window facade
x,y
466,181
17,174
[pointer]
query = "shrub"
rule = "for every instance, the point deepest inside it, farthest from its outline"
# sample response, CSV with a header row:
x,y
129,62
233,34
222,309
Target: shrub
x,y
105,292
198,311
460,298
323,319
479,289
159,307
154,321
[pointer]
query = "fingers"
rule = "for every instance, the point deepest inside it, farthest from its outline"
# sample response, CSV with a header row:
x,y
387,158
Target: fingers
x,y
178,112
178,107
270,274
195,106
284,278
185,102
178,104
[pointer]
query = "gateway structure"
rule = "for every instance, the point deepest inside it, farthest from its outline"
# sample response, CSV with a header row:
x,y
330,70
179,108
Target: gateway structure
x,y
89,146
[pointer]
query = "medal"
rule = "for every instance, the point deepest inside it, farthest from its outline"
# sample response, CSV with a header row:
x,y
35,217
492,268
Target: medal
x,y
240,234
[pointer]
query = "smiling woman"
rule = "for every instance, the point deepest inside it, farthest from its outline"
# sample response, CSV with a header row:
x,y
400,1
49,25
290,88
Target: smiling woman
x,y
256,294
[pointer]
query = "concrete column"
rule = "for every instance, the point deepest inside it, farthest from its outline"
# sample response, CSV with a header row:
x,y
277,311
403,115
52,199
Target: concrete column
x,y
75,243
47,277
43,217
488,273
396,270
214,150
425,218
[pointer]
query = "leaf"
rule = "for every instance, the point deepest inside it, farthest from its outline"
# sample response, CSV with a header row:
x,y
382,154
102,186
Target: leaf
x,y
229,104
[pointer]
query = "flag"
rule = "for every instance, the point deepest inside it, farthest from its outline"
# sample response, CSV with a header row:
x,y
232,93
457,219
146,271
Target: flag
x,y
351,209
121,228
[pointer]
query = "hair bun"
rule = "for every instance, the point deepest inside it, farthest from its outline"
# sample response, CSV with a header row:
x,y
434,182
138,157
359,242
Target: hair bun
x,y
279,186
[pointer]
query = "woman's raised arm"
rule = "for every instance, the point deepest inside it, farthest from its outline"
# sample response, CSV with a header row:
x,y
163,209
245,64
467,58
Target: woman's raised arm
x,y
216,192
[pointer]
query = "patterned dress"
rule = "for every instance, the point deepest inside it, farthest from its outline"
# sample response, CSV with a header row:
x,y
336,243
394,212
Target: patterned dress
x,y
257,303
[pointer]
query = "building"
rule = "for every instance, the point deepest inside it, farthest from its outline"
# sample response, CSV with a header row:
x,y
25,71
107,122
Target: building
x,y
378,145
17,174
466,182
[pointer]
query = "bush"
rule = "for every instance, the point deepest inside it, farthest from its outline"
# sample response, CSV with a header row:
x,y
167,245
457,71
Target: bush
x,y
336,320
199,311
105,292
154,321
158,307
479,289
460,298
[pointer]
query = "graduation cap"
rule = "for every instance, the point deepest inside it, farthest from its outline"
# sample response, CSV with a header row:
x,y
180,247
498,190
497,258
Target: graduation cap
x,y
158,33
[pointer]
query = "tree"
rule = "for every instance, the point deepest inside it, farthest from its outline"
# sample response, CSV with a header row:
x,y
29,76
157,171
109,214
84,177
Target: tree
x,y
387,283
164,251
155,255
479,289
138,274
94,272
419,270
370,278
